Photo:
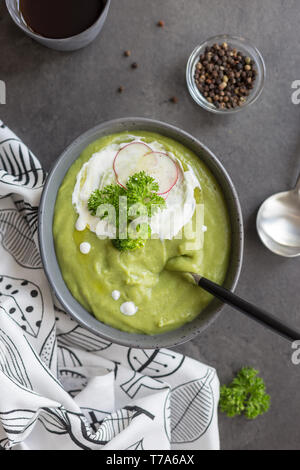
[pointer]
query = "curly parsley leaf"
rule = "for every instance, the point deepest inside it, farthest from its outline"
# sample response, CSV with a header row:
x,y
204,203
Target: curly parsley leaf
x,y
245,395
108,195
141,190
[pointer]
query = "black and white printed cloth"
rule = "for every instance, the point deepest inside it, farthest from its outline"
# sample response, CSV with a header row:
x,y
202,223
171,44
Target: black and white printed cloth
x,y
62,387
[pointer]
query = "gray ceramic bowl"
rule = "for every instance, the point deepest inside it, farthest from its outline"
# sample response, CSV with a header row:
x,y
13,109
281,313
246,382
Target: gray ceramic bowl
x,y
46,211
67,44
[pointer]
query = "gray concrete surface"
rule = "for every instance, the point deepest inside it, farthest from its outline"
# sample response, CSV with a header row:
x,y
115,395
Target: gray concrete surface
x,y
53,97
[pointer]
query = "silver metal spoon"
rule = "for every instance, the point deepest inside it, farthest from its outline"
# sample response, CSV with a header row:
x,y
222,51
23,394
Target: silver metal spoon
x,y
278,223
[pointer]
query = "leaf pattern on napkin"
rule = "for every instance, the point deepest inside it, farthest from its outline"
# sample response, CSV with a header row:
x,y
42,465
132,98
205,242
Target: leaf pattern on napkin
x,y
136,446
158,363
119,421
20,167
23,302
167,416
28,212
11,362
192,406
17,424
72,381
60,421
17,238
94,417
54,420
138,384
48,348
83,339
67,358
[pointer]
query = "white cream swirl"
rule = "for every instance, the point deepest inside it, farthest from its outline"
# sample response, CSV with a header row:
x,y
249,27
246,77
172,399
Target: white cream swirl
x,y
98,172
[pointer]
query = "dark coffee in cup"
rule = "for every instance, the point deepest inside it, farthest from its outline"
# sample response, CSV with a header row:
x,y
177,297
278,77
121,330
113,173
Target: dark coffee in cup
x,y
60,19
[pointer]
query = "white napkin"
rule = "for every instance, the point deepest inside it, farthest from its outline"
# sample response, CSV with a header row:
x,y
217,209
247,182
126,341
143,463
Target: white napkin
x,y
62,387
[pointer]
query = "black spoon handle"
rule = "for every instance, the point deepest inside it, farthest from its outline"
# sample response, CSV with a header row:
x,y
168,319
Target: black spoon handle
x,y
263,317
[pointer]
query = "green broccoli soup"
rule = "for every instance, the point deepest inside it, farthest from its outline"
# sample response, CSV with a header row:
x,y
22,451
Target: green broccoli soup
x,y
135,214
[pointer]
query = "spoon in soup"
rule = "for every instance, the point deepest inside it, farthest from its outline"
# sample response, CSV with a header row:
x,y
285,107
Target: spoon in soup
x,y
278,222
252,311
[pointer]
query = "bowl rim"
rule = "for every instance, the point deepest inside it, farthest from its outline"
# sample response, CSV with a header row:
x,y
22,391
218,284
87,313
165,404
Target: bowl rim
x,y
34,35
197,96
48,255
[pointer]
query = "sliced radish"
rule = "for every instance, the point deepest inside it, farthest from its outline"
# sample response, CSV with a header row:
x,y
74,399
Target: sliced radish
x,y
162,168
136,157
127,159
178,181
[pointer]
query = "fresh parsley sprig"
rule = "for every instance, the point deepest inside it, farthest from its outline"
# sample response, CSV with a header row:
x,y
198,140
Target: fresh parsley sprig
x,y
141,189
245,395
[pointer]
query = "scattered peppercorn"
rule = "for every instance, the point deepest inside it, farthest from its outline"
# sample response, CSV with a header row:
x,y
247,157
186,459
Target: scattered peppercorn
x,y
127,53
161,24
174,99
134,65
120,89
225,76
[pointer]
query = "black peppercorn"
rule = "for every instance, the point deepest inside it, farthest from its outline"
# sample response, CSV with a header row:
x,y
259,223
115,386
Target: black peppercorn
x,y
225,76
